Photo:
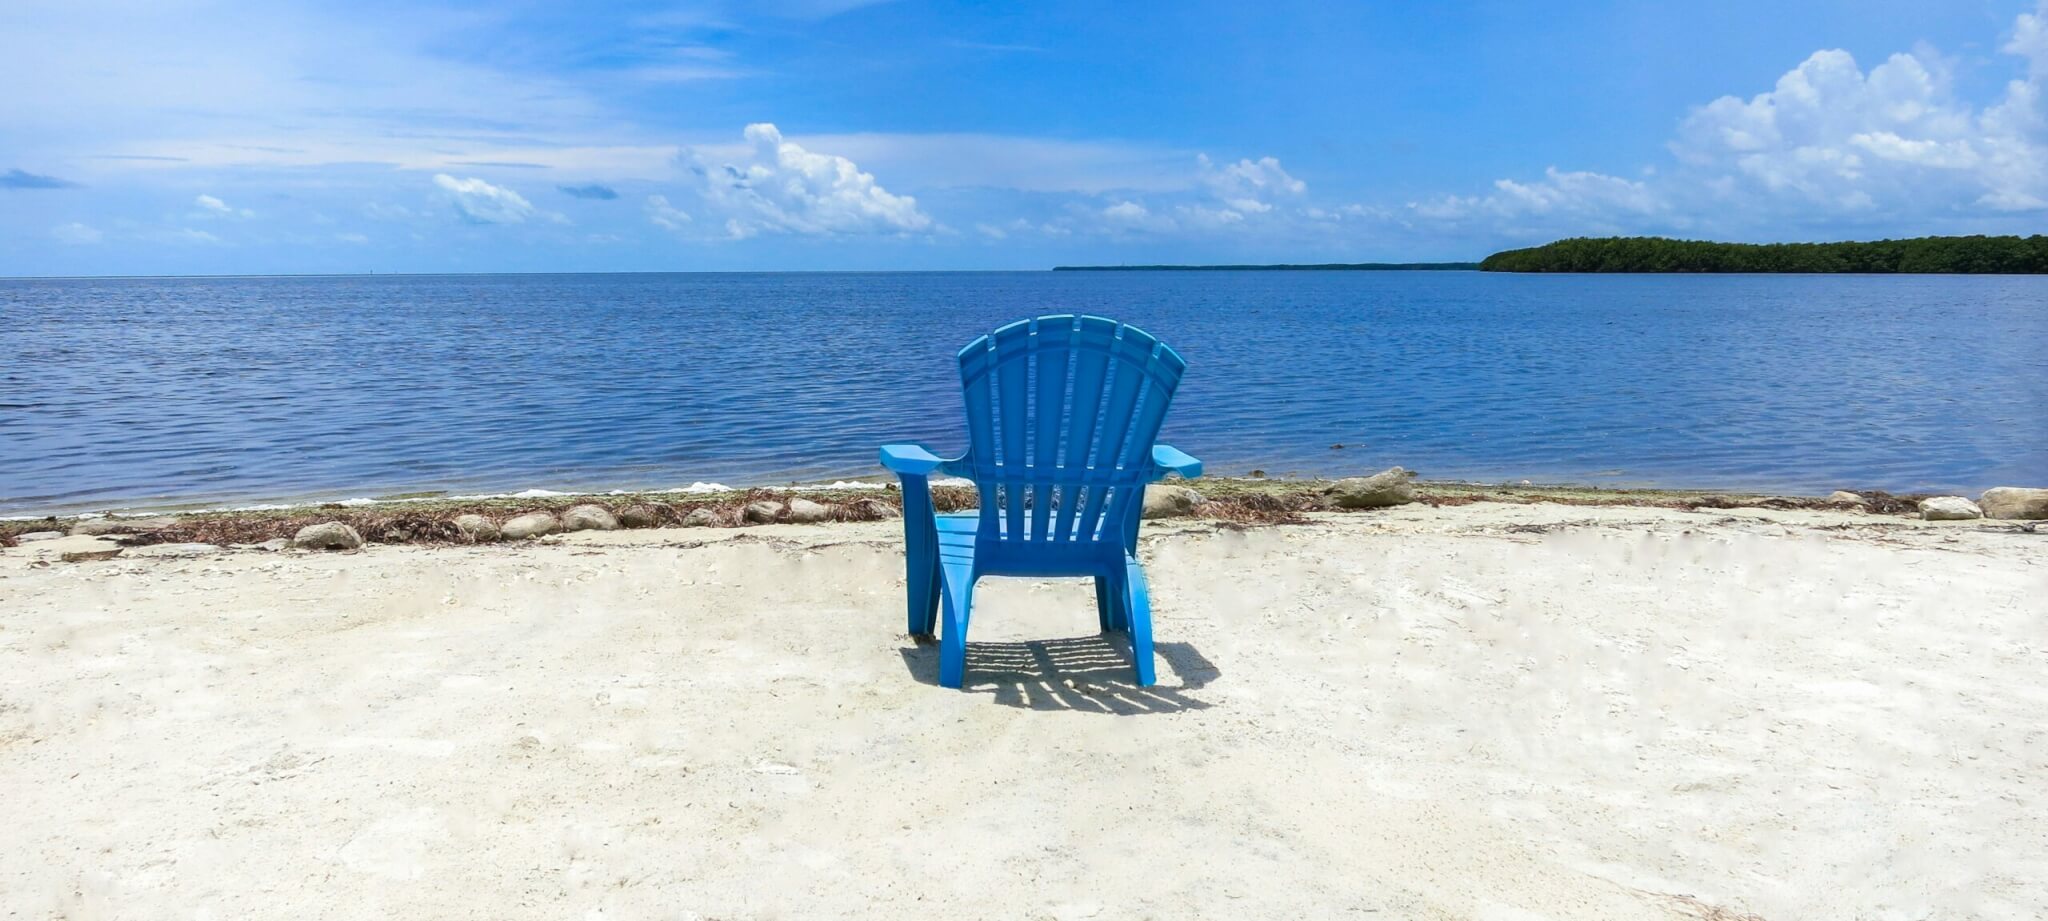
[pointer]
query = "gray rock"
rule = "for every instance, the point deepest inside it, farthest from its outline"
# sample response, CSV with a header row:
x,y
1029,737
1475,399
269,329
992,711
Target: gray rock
x,y
110,525
875,510
2015,502
764,512
804,511
639,516
1166,501
1393,486
1949,508
327,535
589,518
1845,497
38,535
477,528
531,524
275,544
700,518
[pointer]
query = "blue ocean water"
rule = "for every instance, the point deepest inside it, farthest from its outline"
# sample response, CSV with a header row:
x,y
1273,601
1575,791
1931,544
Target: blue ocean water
x,y
136,392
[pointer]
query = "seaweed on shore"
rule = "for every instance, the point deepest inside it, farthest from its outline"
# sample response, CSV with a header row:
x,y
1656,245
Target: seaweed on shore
x,y
1876,502
1235,501
1262,507
1879,502
226,529
435,525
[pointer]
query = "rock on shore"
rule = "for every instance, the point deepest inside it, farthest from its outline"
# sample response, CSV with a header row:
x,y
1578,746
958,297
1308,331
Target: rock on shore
x,y
1949,508
804,511
1165,501
477,528
327,535
876,509
639,516
1393,486
2015,502
763,512
531,524
589,518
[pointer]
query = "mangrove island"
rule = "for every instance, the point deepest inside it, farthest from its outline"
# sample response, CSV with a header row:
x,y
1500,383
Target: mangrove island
x,y
1975,255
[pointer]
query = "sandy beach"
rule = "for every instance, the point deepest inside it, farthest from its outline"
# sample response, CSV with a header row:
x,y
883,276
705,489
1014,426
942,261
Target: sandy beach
x,y
1488,711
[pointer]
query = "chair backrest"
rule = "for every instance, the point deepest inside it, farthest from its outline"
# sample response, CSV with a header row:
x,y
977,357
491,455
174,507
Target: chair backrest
x,y
1062,412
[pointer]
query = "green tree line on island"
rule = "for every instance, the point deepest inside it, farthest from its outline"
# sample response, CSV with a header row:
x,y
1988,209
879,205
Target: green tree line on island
x,y
1977,255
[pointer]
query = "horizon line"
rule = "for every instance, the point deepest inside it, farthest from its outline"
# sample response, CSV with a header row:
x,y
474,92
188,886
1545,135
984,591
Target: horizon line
x,y
1047,270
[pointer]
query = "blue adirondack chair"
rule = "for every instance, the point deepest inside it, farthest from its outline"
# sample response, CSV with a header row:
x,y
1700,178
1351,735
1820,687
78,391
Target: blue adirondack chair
x,y
1061,413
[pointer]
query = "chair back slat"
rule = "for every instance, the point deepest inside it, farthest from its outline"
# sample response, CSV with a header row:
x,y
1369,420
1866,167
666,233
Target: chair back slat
x,y
975,361
1091,342
1062,412
1013,374
1049,410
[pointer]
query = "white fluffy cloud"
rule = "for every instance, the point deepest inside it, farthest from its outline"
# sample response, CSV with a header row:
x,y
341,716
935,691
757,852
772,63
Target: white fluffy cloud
x,y
1557,194
1831,135
1128,212
1219,198
1250,186
480,202
2030,41
777,186
210,206
1894,145
664,215
1010,161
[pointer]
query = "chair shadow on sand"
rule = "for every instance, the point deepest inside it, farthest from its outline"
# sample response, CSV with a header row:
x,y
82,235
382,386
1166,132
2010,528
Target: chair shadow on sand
x,y
1091,674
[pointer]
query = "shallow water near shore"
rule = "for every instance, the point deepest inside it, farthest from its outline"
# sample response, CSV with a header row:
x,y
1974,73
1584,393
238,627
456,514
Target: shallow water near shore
x,y
134,392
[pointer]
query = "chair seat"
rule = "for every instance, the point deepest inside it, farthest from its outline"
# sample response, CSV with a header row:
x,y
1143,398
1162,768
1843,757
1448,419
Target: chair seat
x,y
969,522
960,549
956,538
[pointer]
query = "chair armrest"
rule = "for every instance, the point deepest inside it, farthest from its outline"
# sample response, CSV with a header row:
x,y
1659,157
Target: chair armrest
x,y
1169,459
911,460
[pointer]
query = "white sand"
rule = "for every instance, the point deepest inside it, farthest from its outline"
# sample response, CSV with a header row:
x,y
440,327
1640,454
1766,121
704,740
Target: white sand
x,y
1415,714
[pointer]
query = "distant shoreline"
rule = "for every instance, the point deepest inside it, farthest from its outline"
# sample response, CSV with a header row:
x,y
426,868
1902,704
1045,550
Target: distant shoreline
x,y
1967,255
1285,267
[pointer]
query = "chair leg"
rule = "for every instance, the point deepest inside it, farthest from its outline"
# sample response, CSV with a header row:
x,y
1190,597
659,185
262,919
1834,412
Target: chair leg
x,y
959,604
931,601
1119,602
922,586
1105,601
920,558
1138,611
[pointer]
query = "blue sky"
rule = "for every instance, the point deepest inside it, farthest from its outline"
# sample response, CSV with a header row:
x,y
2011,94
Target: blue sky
x,y
159,136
